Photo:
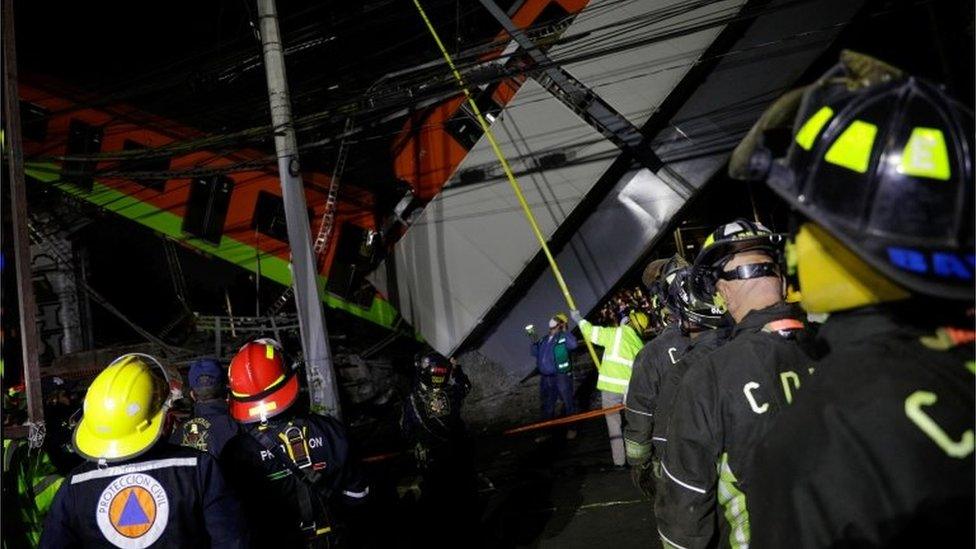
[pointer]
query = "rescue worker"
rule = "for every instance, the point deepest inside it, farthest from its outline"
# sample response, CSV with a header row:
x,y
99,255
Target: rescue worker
x,y
136,489
620,344
291,469
706,328
727,398
30,480
878,449
555,369
431,422
211,425
650,364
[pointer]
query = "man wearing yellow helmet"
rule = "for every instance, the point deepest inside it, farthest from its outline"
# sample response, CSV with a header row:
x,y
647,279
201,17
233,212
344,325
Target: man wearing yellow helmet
x,y
136,489
878,449
620,345
552,359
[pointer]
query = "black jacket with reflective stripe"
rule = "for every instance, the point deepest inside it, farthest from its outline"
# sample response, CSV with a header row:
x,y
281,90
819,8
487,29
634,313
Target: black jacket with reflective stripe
x,y
169,497
269,491
724,405
651,365
878,449
698,347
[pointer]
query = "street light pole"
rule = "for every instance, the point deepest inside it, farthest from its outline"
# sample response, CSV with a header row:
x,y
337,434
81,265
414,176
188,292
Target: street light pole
x,y
311,319
18,208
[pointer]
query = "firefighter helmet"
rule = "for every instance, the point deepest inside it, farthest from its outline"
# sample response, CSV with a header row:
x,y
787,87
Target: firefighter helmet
x,y
884,164
691,310
434,369
125,409
725,242
261,385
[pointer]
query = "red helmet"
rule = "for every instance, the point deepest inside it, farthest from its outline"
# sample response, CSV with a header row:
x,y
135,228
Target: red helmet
x,y
261,386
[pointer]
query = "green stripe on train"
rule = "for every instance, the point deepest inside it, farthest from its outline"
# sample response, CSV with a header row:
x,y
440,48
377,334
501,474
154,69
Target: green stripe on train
x,y
229,249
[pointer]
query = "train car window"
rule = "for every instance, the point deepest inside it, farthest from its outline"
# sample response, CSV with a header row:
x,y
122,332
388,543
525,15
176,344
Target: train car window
x,y
83,139
269,216
350,264
206,209
33,121
464,126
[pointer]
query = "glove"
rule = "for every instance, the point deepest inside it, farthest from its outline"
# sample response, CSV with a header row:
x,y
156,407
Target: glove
x,y
643,477
576,316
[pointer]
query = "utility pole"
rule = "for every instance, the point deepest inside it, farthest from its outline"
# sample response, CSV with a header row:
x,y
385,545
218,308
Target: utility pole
x,y
18,207
311,319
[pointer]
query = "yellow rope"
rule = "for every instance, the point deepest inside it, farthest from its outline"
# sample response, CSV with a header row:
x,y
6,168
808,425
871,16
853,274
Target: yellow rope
x,y
508,173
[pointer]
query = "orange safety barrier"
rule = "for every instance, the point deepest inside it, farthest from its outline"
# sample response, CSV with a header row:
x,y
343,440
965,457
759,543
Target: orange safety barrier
x,y
380,457
530,427
960,336
564,420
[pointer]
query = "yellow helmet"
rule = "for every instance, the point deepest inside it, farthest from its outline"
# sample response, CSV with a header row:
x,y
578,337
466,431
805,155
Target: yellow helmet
x,y
124,411
639,321
561,318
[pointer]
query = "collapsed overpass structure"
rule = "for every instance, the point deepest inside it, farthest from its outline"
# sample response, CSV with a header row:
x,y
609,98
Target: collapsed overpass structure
x,y
468,274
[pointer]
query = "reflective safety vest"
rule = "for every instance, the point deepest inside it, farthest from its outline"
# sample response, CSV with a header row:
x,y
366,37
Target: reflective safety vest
x,y
621,344
36,480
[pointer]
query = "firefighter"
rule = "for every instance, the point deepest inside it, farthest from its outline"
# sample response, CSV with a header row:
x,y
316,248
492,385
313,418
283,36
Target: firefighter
x,y
431,422
707,328
878,450
136,489
727,398
211,425
292,469
30,479
651,362
620,344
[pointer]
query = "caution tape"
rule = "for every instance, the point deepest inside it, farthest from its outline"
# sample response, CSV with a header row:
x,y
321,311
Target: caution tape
x,y
508,173
564,420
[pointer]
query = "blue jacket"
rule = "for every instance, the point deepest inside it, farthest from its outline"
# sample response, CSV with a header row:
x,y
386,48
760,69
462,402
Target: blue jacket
x,y
168,497
544,352
209,429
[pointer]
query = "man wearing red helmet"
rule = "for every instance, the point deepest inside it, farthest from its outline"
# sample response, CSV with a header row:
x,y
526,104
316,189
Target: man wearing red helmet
x,y
291,469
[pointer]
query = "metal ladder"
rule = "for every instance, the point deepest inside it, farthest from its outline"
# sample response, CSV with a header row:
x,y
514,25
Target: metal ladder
x,y
325,226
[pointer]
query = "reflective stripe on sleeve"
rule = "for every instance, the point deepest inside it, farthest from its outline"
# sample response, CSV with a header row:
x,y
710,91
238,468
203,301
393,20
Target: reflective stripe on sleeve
x,y
45,483
669,543
680,483
613,380
357,495
636,450
134,468
638,412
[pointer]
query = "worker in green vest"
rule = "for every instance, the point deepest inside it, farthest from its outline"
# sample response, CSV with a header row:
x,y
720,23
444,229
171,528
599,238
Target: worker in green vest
x,y
30,482
620,345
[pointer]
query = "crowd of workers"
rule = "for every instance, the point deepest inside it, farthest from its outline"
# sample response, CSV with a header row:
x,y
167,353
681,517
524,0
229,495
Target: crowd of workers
x,y
746,422
813,388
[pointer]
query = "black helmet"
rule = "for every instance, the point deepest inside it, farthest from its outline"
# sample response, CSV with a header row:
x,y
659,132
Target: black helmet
x,y
728,240
738,236
688,307
658,273
671,267
433,369
884,163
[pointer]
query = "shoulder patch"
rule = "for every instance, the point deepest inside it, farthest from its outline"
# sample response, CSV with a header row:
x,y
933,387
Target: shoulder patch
x,y
133,511
196,433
